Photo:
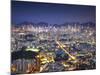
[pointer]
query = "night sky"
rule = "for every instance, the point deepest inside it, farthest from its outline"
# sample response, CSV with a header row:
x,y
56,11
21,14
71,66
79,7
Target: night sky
x,y
51,13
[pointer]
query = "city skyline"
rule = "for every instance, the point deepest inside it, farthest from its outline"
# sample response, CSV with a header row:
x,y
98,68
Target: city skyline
x,y
49,37
51,13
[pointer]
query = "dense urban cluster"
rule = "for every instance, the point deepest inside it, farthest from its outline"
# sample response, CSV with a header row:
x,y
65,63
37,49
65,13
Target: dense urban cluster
x,y
44,47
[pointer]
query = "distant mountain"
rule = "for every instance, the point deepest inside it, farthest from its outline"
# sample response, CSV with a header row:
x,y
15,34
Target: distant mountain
x,y
44,24
26,23
91,24
70,23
